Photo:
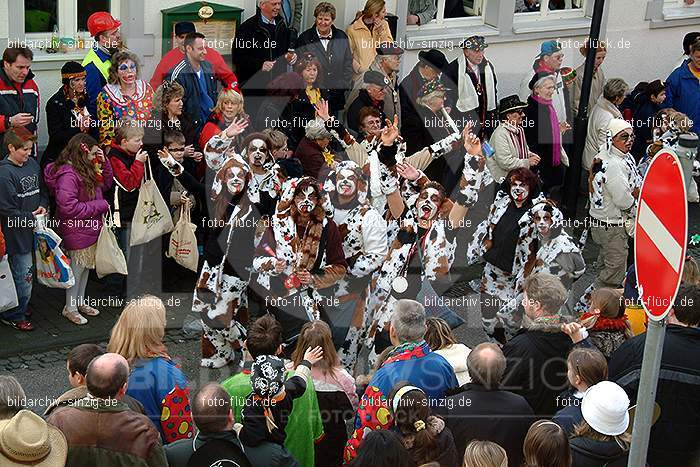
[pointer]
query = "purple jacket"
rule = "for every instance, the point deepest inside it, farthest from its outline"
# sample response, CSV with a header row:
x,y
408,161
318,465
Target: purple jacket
x,y
79,215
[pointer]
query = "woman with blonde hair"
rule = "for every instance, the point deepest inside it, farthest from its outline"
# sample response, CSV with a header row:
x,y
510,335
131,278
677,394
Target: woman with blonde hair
x,y
229,106
368,30
484,454
335,390
155,380
441,340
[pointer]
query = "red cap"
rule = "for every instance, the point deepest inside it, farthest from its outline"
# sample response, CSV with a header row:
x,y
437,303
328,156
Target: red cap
x,y
101,21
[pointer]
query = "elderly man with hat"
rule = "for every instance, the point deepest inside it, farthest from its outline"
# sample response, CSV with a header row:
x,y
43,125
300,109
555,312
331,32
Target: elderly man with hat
x,y
104,28
430,66
615,183
508,140
222,72
66,112
387,62
473,80
28,440
372,94
549,61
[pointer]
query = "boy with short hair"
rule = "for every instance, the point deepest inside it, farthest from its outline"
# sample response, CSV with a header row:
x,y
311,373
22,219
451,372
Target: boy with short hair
x,y
304,426
77,364
22,198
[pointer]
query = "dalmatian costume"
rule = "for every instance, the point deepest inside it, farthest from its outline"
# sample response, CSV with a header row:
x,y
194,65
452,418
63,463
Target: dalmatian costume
x,y
498,287
282,241
364,234
220,293
434,249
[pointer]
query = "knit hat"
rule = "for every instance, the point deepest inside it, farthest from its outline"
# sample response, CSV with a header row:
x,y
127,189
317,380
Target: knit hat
x,y
474,43
267,376
26,439
604,407
431,86
568,74
71,70
617,125
184,27
549,48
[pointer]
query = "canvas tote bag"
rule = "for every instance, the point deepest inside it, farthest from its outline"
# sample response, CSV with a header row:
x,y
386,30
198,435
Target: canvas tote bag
x,y
152,216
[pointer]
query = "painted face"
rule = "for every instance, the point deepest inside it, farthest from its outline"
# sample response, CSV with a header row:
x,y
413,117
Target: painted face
x,y
519,191
346,182
428,203
306,200
236,180
257,152
543,222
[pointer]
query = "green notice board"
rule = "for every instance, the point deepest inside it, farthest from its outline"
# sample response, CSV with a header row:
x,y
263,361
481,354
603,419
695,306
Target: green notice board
x,y
217,22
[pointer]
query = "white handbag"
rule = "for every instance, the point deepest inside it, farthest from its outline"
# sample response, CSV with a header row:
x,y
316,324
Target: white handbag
x,y
183,242
8,293
109,258
152,217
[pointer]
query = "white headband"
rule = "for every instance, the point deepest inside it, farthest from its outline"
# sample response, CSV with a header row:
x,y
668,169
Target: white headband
x,y
400,393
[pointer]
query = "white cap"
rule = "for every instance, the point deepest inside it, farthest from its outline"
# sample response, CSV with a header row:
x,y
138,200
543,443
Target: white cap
x,y
604,407
617,125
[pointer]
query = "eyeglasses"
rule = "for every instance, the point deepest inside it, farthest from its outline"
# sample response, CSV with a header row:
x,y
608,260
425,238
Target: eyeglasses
x,y
178,149
626,137
125,67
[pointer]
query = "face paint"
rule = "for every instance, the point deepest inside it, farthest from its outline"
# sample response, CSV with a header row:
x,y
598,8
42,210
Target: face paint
x,y
346,182
428,203
543,222
236,180
518,191
257,152
306,200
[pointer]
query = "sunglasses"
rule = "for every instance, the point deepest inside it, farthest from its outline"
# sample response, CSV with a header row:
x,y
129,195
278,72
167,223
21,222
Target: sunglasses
x,y
626,137
125,67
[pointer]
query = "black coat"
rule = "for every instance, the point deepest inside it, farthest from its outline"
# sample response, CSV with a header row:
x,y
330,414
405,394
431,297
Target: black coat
x,y
536,367
61,125
674,437
253,45
450,78
336,63
409,90
643,112
489,415
586,452
539,135
362,100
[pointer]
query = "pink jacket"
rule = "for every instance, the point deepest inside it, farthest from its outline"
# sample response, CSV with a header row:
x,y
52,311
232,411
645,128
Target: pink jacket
x,y
79,216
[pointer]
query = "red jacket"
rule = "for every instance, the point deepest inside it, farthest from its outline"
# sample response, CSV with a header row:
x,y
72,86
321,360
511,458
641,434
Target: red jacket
x,y
221,71
3,250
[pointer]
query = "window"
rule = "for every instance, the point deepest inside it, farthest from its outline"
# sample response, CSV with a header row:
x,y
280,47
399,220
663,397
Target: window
x,y
450,12
680,9
545,8
85,9
40,15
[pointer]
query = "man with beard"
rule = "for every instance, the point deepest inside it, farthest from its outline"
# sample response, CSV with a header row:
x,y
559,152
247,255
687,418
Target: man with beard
x,y
423,250
503,241
220,294
299,255
364,235
104,28
473,80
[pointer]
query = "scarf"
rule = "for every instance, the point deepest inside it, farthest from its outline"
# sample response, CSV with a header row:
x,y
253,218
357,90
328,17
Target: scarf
x,y
694,70
554,122
314,94
468,99
517,137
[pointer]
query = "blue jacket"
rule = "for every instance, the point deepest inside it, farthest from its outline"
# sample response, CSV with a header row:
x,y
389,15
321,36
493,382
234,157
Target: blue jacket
x,y
94,80
152,383
186,76
683,94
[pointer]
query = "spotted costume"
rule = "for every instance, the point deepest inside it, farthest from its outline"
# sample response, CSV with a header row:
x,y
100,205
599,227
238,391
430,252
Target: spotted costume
x,y
112,106
364,234
498,286
417,256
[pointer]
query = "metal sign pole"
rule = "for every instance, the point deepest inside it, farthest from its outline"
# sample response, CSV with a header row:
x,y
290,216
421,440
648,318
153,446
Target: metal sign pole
x,y
646,394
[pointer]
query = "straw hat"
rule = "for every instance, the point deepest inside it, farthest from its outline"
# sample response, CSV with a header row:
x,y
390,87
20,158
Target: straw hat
x,y
26,439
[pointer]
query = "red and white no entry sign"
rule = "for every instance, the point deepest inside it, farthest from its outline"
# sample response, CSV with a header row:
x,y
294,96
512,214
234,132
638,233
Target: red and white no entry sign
x,y
661,234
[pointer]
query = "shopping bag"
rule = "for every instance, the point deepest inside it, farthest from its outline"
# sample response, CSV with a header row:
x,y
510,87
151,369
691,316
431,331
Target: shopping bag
x,y
52,265
109,258
183,243
8,293
152,217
